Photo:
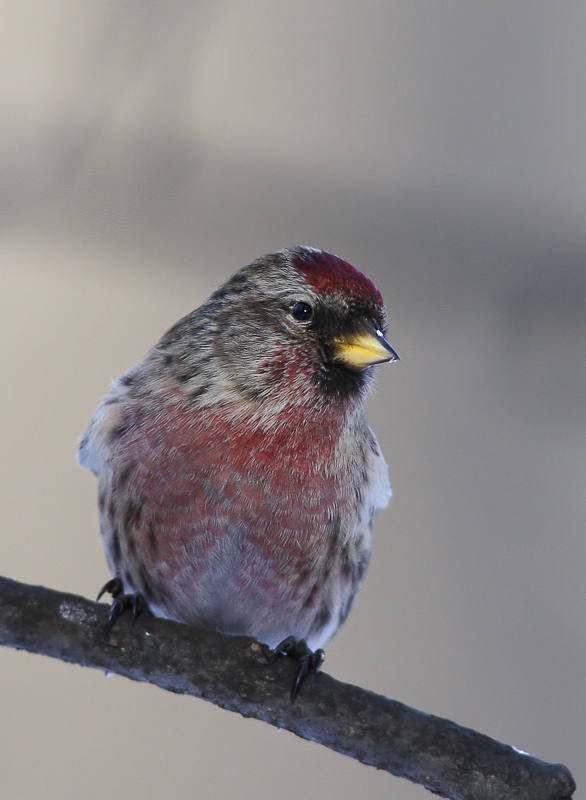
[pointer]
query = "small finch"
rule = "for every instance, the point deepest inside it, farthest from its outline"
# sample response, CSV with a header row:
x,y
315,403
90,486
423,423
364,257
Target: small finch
x,y
238,476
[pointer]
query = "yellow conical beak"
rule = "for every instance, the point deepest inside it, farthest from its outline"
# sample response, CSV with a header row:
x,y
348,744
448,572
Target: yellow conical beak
x,y
364,349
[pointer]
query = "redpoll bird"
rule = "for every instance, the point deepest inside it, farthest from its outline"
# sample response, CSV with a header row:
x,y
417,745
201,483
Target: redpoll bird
x,y
238,477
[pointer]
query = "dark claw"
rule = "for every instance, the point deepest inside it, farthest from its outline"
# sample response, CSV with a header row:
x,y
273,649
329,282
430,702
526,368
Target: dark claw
x,y
137,606
113,587
117,608
309,661
122,602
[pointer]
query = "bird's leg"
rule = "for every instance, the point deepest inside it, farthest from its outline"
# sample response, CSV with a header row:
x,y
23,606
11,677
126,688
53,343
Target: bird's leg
x,y
121,603
308,660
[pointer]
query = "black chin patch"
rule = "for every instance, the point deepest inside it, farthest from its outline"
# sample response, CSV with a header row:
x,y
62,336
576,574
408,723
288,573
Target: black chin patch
x,y
337,380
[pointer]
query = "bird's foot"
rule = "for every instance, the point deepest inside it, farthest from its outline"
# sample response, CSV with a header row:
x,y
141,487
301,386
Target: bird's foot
x,y
121,602
309,662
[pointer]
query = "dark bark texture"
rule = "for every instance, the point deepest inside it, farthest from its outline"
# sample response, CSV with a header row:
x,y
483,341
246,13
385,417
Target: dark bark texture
x,y
234,673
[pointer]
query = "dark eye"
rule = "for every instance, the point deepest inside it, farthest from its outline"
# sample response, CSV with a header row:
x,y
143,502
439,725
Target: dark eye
x,y
302,312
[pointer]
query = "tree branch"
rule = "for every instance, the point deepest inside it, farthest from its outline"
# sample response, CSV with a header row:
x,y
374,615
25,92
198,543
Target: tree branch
x,y
232,671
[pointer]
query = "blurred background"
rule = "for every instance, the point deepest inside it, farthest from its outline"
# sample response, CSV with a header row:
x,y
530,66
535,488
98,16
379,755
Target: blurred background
x,y
148,149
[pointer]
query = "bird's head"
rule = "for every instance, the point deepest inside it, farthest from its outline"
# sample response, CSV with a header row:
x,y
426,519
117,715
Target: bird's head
x,y
299,321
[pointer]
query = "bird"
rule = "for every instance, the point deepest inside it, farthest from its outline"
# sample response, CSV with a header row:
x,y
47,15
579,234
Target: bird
x,y
238,476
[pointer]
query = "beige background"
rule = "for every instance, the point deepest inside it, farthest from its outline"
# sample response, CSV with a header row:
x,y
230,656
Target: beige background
x,y
149,148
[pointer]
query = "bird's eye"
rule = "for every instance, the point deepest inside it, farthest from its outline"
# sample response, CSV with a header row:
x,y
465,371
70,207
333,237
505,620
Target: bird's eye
x,y
302,312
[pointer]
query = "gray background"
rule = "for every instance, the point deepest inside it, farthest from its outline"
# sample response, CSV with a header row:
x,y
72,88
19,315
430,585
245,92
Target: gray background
x,y
147,149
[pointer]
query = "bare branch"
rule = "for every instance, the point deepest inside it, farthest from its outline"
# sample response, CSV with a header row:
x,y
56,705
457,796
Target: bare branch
x,y
232,672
